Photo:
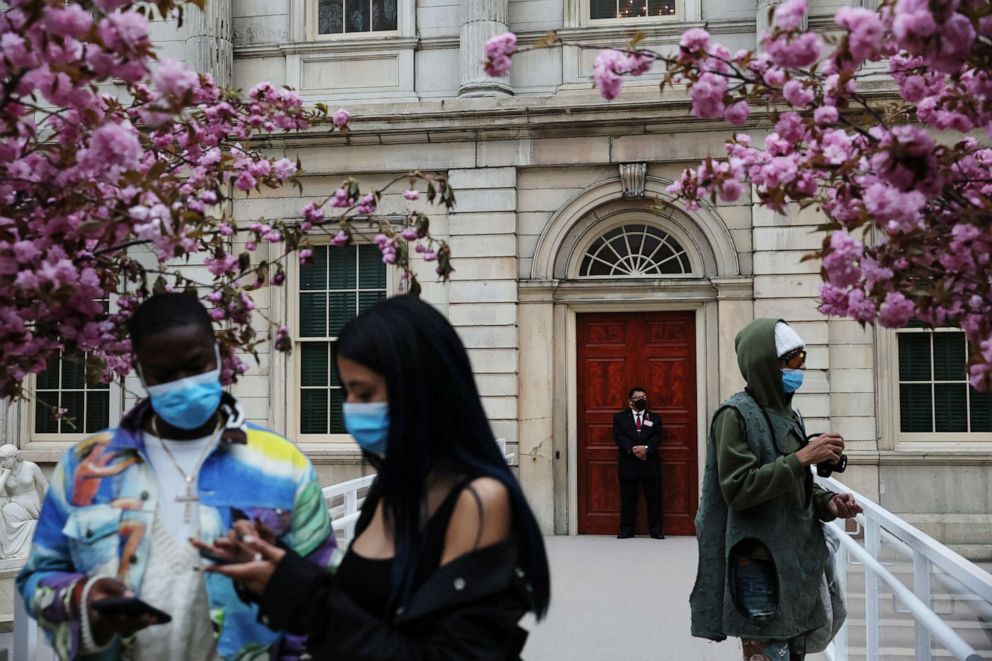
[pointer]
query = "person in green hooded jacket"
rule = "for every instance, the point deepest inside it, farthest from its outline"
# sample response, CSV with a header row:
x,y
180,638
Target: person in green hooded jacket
x,y
762,553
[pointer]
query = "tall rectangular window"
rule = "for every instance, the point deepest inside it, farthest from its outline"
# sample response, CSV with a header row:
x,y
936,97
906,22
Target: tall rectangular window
x,y
337,285
934,393
624,9
349,16
63,386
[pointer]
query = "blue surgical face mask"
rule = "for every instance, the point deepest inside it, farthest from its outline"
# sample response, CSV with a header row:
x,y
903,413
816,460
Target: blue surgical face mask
x,y
368,424
792,380
189,402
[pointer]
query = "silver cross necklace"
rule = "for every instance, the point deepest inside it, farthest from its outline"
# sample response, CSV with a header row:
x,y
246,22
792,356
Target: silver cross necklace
x,y
189,498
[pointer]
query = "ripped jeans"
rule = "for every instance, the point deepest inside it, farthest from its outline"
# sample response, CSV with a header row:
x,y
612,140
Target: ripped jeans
x,y
756,585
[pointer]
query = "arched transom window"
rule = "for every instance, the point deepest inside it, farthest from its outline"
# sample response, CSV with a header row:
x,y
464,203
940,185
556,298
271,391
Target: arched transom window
x,y
635,251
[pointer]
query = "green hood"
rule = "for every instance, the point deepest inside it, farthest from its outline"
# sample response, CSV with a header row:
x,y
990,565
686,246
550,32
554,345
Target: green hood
x,y
758,360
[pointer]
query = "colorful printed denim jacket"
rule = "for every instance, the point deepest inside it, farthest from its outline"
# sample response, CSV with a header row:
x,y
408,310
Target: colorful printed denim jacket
x,y
98,513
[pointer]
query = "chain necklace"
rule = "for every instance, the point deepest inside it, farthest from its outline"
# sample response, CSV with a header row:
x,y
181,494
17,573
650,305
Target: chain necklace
x,y
190,497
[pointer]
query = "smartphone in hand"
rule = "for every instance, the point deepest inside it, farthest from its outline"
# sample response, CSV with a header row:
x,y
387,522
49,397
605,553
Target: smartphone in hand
x,y
131,607
214,558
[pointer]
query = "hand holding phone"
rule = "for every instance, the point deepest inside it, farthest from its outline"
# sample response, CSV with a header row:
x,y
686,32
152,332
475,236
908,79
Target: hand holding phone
x,y
130,607
106,625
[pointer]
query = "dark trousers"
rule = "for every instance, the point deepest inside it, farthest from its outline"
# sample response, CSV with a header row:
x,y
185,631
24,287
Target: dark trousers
x,y
628,504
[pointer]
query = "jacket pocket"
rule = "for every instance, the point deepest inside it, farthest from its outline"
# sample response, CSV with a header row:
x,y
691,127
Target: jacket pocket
x,y
92,535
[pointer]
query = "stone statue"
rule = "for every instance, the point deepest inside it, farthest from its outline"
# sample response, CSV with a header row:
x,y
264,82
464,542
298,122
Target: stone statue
x,y
22,488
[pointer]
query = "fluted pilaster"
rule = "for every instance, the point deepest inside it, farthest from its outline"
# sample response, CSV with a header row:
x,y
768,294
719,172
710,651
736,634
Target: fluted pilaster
x,y
208,46
481,21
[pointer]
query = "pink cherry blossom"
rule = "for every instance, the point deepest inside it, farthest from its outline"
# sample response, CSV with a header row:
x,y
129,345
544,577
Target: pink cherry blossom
x,y
896,310
707,96
172,78
737,113
69,21
865,30
498,51
797,94
825,115
695,39
790,14
607,72
102,192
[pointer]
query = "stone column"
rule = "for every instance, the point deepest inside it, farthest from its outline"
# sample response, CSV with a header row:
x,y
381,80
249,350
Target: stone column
x,y
481,20
208,44
482,293
537,406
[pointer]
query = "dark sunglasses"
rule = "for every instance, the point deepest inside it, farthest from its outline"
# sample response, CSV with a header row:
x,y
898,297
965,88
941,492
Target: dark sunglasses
x,y
795,359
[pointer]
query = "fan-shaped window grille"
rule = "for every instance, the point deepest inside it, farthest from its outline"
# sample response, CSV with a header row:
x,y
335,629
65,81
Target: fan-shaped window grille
x,y
635,251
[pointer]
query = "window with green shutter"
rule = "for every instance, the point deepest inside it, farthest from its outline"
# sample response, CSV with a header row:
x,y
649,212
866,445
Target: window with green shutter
x,y
66,404
934,393
339,283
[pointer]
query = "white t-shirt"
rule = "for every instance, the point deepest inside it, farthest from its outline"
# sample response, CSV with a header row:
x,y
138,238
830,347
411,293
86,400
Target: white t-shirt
x,y
171,484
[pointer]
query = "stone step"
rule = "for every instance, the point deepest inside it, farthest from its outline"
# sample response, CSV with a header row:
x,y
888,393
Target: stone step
x,y
902,632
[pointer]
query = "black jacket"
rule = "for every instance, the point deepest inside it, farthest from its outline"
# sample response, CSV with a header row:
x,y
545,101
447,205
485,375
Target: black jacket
x,y
626,436
467,609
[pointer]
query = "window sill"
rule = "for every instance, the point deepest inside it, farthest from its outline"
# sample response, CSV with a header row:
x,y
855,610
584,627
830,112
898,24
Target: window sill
x,y
975,453
332,452
618,29
357,44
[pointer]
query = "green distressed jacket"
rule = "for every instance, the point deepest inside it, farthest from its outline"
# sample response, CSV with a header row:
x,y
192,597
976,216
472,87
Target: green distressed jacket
x,y
758,501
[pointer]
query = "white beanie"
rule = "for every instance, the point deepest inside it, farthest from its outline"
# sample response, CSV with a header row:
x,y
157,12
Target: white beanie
x,y
786,339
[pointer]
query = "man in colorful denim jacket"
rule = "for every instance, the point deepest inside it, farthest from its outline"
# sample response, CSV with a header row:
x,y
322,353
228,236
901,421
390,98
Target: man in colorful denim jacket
x,y
123,503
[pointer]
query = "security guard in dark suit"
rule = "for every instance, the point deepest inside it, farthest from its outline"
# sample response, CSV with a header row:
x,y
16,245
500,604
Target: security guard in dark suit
x,y
638,433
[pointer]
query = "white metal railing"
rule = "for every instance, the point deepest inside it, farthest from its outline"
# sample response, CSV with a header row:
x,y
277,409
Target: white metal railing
x,y
344,502
345,499
926,553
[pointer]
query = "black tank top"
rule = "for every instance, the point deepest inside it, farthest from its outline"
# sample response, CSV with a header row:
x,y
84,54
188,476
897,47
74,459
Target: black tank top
x,y
368,580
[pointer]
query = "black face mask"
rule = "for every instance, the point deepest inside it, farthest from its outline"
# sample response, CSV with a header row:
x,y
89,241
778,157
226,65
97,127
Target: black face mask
x,y
640,404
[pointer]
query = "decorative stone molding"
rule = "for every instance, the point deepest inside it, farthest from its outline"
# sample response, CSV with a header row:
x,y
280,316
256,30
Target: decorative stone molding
x,y
632,179
734,288
568,230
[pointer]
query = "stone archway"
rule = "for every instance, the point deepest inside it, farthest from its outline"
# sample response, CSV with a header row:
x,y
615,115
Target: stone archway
x,y
707,233
552,302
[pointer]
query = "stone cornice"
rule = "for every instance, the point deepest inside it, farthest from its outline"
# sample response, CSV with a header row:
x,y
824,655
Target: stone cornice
x,y
510,118
640,111
620,292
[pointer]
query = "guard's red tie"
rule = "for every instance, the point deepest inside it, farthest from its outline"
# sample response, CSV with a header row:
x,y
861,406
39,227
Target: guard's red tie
x,y
637,419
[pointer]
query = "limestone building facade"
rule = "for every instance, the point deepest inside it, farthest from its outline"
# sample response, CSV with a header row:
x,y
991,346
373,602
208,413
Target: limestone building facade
x,y
575,274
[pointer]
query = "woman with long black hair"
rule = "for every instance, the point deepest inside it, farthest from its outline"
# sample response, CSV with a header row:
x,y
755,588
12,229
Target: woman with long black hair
x,y
447,556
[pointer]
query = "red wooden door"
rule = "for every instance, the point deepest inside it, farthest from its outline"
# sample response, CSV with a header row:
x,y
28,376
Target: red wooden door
x,y
656,350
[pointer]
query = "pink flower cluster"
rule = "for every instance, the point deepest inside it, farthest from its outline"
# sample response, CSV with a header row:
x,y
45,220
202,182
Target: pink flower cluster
x,y
81,184
929,200
612,65
499,51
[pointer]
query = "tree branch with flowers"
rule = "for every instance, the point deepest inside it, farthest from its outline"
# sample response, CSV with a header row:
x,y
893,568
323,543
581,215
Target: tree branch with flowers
x,y
107,193
902,176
